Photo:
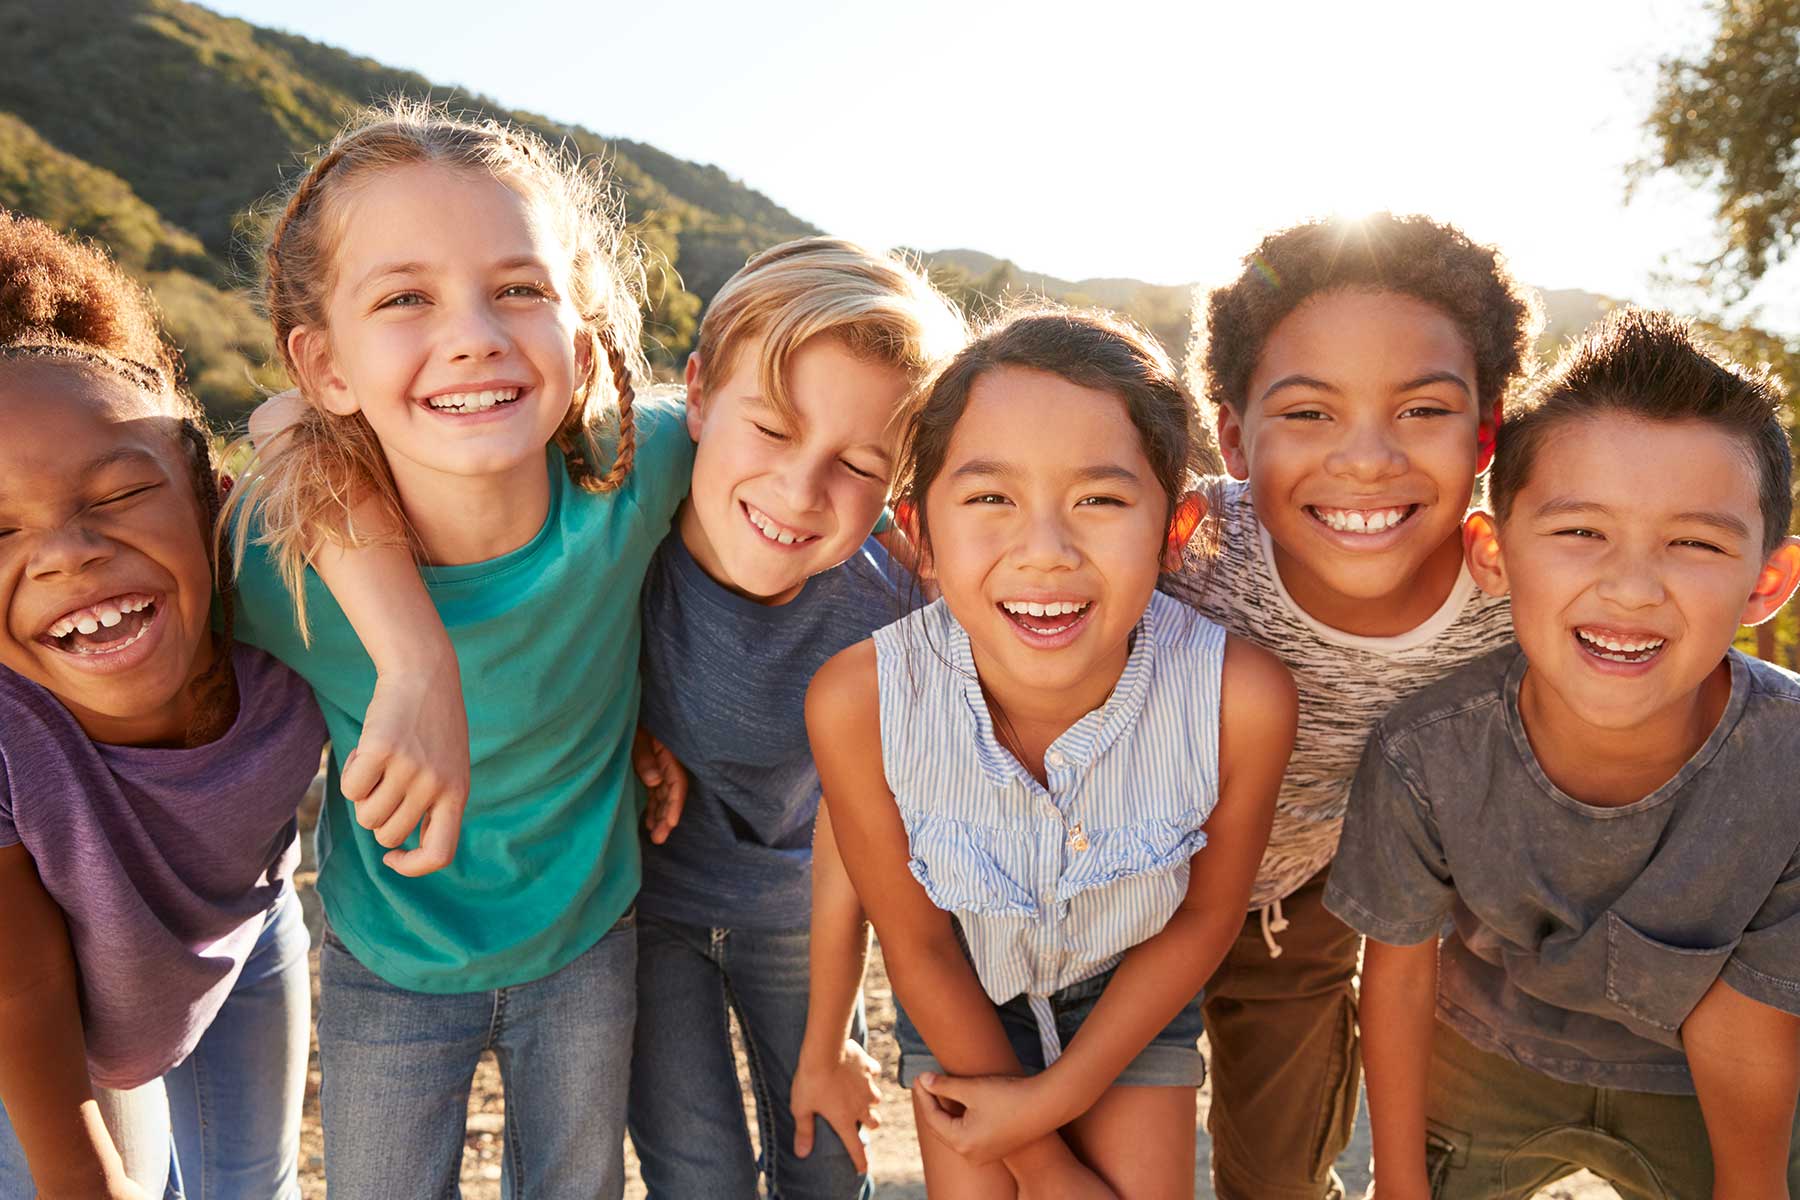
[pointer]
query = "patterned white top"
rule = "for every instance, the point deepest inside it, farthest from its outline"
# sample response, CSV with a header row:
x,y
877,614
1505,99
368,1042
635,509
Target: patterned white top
x,y
1050,886
1346,682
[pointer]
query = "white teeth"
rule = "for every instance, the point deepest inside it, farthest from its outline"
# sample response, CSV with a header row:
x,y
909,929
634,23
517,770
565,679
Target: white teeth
x,y
1056,608
87,623
774,531
1621,649
1361,520
473,401
109,616
107,613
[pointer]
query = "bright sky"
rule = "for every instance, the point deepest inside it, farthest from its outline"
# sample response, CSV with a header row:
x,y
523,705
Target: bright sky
x,y
1083,139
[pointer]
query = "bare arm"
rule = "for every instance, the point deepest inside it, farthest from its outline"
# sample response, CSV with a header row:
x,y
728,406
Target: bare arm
x,y
410,769
835,1078
1745,1058
43,1057
1398,1016
927,966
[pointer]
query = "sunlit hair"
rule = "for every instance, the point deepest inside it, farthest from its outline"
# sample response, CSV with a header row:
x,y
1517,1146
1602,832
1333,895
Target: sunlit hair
x,y
1091,348
302,487
1414,256
1651,366
65,306
881,309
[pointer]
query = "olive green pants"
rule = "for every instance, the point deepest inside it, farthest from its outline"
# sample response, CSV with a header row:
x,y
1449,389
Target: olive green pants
x,y
1498,1131
1282,1053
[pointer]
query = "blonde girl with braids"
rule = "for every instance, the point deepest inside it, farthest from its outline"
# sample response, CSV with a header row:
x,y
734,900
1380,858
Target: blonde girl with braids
x,y
460,310
153,982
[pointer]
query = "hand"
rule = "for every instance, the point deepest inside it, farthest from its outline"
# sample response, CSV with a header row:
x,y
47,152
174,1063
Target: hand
x,y
667,781
411,768
985,1118
843,1090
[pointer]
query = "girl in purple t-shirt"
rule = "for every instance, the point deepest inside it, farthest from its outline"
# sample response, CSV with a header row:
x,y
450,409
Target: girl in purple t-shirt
x,y
153,986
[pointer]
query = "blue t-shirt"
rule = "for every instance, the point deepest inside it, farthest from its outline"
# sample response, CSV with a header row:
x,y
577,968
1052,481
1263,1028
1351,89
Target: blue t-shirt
x,y
547,638
725,689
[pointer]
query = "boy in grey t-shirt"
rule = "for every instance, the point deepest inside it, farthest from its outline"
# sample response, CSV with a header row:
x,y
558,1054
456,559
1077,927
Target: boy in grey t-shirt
x,y
1606,812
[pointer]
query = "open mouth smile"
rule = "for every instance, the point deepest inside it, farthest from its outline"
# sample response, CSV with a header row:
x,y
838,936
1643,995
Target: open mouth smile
x,y
1365,521
1046,620
466,403
773,530
111,634
1610,646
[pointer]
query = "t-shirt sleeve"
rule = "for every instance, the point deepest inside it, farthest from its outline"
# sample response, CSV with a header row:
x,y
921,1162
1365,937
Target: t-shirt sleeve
x,y
665,455
1766,964
1390,879
9,833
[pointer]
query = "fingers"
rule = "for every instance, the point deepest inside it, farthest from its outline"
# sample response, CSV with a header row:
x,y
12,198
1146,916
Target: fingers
x,y
437,843
362,771
664,812
645,760
803,1132
933,1115
852,1138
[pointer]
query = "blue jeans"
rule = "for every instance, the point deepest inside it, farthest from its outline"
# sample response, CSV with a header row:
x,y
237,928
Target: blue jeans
x,y
396,1068
687,1114
225,1123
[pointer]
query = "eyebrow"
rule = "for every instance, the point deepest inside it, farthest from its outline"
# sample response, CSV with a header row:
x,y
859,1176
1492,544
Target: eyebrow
x,y
1094,473
1565,506
1298,380
383,270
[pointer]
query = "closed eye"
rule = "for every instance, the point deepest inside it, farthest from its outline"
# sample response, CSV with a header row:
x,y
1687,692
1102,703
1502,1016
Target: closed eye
x,y
127,494
774,435
857,471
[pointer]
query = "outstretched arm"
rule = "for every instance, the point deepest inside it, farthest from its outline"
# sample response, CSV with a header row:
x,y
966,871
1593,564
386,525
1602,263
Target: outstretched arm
x,y
410,770
43,1056
1745,1058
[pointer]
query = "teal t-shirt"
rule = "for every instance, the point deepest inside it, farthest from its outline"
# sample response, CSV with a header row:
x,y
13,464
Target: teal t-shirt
x,y
547,640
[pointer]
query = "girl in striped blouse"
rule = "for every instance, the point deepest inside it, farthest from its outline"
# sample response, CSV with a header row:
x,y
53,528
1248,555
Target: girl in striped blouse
x,y
1018,775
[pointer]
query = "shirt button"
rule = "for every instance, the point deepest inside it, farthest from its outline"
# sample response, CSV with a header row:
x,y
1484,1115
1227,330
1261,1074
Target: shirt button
x,y
1054,758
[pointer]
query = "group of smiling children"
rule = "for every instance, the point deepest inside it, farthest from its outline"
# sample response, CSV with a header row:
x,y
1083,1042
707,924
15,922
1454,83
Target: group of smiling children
x,y
1116,748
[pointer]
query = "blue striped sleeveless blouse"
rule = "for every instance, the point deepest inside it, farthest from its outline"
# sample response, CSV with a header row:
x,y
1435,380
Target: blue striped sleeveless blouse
x,y
1051,886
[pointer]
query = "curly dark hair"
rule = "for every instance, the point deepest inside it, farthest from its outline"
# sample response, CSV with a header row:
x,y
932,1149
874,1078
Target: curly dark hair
x,y
1411,255
1653,367
64,305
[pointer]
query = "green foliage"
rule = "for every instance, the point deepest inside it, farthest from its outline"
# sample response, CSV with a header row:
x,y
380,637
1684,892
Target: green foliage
x,y
155,126
1728,119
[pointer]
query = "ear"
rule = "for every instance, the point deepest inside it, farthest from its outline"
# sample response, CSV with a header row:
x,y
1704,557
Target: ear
x,y
1487,436
584,351
696,400
310,351
1190,510
1481,550
906,516
1231,442
1775,584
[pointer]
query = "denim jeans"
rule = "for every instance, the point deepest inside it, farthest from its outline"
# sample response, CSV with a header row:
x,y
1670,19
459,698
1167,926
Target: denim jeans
x,y
396,1068
687,1114
225,1123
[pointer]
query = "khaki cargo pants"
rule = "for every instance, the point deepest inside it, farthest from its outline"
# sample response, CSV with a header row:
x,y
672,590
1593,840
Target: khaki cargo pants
x,y
1283,1056
1500,1131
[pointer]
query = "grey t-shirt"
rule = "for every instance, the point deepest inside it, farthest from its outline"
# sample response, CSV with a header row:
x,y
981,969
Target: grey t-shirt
x,y
164,862
1583,936
725,689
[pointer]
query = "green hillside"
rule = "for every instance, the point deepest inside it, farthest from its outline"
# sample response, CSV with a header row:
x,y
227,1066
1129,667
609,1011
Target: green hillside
x,y
183,120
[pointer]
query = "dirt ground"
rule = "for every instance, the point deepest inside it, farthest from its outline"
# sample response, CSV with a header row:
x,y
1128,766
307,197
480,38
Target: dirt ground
x,y
893,1153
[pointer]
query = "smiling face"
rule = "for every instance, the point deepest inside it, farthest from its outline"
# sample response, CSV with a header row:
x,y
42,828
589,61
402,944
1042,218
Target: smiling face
x,y
1044,528
775,500
1632,554
447,326
105,585
1360,436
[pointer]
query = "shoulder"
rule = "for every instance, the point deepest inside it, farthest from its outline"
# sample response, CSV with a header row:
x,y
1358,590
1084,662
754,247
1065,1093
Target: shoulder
x,y
660,417
843,702
1474,692
1252,676
1770,683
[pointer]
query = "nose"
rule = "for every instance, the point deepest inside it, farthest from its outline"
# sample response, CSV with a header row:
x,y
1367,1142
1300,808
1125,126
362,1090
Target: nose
x,y
477,335
1631,581
68,551
1046,543
1368,453
801,484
